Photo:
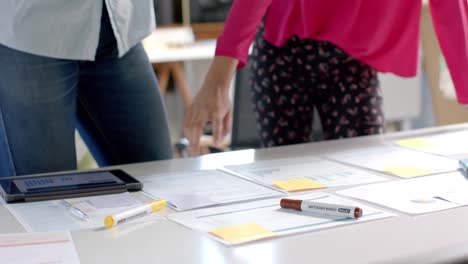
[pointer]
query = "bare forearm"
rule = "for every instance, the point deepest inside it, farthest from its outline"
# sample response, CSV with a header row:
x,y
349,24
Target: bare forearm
x,y
221,72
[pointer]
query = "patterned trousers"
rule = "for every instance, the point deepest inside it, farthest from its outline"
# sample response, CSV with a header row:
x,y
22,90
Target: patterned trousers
x,y
288,82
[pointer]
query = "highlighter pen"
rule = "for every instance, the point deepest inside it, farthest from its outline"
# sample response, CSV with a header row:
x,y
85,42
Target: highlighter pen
x,y
133,213
325,209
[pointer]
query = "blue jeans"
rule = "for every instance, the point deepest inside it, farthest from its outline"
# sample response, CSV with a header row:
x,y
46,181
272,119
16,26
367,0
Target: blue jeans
x,y
114,102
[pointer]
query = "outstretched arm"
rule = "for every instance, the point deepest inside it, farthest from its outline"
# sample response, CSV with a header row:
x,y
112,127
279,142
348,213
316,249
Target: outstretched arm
x,y
212,101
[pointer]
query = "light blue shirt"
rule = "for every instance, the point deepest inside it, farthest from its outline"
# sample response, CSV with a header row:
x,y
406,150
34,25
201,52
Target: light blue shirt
x,y
69,29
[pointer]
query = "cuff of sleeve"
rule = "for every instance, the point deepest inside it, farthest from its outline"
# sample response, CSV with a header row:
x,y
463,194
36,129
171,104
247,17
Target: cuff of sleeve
x,y
233,54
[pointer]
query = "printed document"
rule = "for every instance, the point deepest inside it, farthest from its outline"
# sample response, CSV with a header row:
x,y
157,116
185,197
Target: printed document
x,y
397,161
418,195
265,218
56,215
195,189
445,144
325,172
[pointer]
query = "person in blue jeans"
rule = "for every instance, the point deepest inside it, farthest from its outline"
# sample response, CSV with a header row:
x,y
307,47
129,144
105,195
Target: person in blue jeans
x,y
77,64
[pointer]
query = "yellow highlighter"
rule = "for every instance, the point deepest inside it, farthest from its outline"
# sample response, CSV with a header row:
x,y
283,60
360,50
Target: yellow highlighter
x,y
133,213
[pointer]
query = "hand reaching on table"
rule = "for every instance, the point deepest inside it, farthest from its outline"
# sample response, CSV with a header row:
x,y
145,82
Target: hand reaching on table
x,y
211,104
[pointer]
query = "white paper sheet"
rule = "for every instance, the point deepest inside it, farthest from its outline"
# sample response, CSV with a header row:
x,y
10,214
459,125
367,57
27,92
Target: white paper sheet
x,y
38,248
270,215
53,215
444,144
418,195
196,189
386,157
328,173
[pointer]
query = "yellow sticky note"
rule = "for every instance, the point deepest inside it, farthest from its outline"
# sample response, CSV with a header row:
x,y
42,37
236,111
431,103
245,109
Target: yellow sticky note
x,y
416,143
297,184
242,233
407,171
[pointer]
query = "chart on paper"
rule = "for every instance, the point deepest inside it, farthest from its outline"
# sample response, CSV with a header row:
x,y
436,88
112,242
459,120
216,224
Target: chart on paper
x,y
195,189
326,173
397,161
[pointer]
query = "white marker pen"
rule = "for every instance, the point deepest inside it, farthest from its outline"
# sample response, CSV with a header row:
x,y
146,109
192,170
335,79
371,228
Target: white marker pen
x,y
325,209
133,213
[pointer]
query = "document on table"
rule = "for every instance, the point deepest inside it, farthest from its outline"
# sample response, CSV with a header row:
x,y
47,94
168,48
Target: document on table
x,y
245,222
418,195
56,215
326,173
397,161
38,248
444,144
196,189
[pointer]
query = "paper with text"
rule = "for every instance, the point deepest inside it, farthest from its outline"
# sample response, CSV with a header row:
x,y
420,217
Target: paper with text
x,y
270,216
38,248
325,172
196,189
418,195
396,161
53,215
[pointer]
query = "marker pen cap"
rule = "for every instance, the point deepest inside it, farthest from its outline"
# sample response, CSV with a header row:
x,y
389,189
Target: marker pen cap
x,y
291,204
157,205
109,221
357,212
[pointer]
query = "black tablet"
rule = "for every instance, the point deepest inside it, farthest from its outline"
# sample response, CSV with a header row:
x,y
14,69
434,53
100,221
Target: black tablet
x,y
66,185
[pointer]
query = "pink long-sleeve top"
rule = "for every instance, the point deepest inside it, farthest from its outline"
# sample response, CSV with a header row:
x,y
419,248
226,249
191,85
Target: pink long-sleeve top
x,y
381,33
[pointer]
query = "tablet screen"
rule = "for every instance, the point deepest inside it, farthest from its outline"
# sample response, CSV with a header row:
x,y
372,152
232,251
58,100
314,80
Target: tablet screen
x,y
64,182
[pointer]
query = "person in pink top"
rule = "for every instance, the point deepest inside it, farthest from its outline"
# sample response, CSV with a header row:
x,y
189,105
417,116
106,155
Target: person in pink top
x,y
322,54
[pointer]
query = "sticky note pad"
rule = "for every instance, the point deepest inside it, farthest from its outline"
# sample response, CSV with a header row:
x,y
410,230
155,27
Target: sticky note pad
x,y
242,233
297,184
407,171
416,143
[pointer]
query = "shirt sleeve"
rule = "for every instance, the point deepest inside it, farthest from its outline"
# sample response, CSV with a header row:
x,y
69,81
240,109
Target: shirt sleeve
x,y
240,28
450,19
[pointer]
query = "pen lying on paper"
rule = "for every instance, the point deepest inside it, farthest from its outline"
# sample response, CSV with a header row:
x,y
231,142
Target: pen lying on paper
x,y
325,209
133,213
76,211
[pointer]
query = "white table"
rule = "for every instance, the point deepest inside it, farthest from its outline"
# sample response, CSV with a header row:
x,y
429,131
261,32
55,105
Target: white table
x,y
199,50
439,236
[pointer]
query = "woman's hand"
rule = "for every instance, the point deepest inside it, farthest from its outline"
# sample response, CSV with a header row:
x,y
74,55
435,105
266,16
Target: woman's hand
x,y
211,104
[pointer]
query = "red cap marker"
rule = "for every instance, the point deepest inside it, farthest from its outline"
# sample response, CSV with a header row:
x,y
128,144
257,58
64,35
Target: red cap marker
x,y
325,209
